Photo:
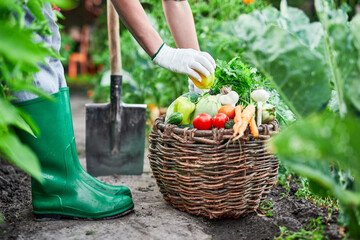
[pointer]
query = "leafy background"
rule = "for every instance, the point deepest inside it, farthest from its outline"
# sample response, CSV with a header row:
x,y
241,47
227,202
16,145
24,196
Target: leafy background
x,y
145,81
312,61
314,66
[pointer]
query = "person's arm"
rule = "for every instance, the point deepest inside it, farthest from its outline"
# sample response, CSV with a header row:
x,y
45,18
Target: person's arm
x,y
181,23
134,18
186,61
182,27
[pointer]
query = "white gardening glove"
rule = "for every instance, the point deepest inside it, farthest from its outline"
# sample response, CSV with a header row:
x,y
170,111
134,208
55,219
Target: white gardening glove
x,y
185,61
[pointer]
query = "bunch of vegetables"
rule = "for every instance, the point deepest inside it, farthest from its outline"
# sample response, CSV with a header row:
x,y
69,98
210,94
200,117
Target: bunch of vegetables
x,y
241,77
220,107
220,111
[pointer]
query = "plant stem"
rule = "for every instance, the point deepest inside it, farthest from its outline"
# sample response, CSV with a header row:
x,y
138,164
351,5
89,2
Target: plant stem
x,y
338,83
336,75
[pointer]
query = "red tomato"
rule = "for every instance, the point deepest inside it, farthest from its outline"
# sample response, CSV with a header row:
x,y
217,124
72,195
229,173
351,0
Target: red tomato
x,y
219,120
203,121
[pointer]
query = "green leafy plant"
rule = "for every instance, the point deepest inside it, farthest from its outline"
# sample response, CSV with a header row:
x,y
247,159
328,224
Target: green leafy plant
x,y
286,177
315,232
315,68
266,207
241,77
19,59
244,79
305,192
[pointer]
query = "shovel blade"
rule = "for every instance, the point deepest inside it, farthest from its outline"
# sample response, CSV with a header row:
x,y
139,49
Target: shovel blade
x,y
128,157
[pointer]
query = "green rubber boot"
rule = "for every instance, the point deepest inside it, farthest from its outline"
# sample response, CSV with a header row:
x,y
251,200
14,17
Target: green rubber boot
x,y
64,194
115,190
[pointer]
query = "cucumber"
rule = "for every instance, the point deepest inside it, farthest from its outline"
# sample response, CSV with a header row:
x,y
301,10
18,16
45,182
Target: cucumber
x,y
175,118
229,124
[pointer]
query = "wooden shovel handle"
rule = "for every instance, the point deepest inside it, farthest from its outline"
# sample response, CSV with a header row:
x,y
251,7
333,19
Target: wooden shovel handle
x,y
114,39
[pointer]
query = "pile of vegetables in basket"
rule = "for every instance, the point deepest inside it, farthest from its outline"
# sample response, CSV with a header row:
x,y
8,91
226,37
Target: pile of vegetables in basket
x,y
236,100
207,111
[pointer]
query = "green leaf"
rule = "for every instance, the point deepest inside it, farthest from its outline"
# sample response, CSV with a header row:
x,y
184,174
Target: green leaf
x,y
342,54
66,4
17,46
20,86
324,138
27,118
35,7
347,59
19,154
297,72
353,86
15,118
10,6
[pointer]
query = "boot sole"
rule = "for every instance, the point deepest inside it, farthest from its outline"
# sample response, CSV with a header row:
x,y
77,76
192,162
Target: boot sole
x,y
55,217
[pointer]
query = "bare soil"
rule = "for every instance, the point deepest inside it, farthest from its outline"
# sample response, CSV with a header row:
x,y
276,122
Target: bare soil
x,y
153,217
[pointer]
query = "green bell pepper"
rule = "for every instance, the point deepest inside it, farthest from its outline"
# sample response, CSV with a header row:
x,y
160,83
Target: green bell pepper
x,y
186,107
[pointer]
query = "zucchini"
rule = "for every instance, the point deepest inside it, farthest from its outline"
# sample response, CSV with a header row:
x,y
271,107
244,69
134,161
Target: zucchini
x,y
175,118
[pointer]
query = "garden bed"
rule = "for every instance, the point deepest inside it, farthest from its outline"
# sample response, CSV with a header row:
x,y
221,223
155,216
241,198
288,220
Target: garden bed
x,y
292,212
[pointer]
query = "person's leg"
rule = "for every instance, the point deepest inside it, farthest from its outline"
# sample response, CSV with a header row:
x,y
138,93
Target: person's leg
x,y
68,191
50,79
63,194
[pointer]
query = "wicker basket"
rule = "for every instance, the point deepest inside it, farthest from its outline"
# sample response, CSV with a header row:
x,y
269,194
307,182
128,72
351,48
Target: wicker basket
x,y
203,173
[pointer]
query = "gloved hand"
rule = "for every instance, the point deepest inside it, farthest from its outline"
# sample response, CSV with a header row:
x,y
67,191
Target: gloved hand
x,y
185,61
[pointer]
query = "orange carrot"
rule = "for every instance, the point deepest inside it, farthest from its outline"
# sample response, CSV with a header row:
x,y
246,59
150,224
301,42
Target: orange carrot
x,y
238,110
246,116
253,128
241,129
236,128
248,112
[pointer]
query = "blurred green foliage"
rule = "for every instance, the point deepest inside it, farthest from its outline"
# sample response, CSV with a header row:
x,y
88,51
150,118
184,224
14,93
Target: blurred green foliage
x,y
315,68
67,47
19,59
148,82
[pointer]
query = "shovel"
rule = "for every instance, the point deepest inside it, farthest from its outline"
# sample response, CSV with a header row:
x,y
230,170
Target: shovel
x,y
115,131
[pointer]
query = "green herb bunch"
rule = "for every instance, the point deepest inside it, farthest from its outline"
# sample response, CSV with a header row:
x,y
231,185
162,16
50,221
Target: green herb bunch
x,y
242,77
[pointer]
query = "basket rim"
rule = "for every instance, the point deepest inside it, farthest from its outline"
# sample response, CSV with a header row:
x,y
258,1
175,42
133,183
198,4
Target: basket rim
x,y
268,129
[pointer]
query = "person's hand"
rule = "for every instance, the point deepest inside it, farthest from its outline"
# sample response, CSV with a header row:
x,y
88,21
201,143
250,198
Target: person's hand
x,y
186,61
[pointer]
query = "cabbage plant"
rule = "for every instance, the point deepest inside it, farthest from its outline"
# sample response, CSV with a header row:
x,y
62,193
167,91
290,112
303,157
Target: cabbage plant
x,y
315,67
